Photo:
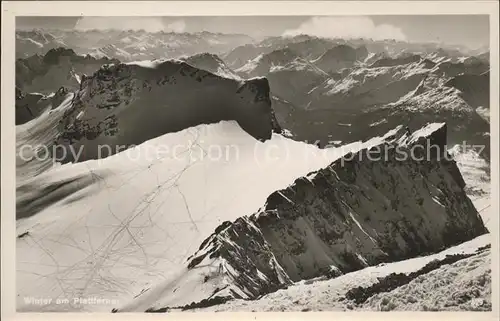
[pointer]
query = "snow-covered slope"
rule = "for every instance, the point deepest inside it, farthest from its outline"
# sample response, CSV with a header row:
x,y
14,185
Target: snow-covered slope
x,y
356,212
264,63
311,48
305,46
294,80
340,57
375,85
389,87
290,76
470,65
476,173
352,83
464,285
278,60
111,51
115,227
196,199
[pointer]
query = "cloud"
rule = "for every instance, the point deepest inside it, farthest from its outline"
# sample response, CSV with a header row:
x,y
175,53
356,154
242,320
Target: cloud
x,y
151,24
347,27
176,26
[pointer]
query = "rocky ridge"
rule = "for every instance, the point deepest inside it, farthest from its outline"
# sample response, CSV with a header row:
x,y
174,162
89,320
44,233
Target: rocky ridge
x,y
110,103
352,214
58,67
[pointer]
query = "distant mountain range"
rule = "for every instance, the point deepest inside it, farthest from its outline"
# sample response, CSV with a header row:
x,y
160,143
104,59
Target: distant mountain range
x,y
126,45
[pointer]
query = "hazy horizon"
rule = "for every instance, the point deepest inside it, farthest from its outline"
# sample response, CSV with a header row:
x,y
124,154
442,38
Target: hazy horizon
x,y
467,30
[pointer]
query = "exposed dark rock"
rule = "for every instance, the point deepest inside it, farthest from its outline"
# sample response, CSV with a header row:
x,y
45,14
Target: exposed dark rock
x,y
20,236
161,97
388,62
357,212
340,57
58,67
474,89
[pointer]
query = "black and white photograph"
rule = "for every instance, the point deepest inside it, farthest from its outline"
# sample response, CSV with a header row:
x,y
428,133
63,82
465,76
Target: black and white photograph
x,y
253,163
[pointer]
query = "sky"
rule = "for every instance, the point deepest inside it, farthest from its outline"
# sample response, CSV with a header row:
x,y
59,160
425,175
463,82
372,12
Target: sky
x,y
468,30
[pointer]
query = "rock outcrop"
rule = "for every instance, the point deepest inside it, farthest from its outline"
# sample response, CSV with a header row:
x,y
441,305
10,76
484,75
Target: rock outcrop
x,y
474,89
265,63
467,67
370,206
58,67
127,104
31,105
390,62
368,101
211,63
340,57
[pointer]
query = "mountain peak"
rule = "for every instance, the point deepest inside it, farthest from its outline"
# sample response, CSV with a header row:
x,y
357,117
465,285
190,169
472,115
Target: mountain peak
x,y
400,60
157,93
52,56
343,210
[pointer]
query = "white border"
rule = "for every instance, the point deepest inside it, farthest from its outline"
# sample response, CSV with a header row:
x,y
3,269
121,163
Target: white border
x,y
221,8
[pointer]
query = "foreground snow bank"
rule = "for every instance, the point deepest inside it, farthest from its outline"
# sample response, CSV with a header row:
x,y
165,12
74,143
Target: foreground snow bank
x,y
329,294
464,285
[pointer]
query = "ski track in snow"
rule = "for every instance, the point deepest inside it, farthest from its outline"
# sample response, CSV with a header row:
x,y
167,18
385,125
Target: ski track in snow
x,y
142,218
442,289
131,231
127,235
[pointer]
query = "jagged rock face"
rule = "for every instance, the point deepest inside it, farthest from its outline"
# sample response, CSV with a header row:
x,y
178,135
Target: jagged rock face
x,y
34,42
312,48
484,57
361,53
211,63
263,64
290,76
27,107
206,61
59,67
239,56
474,89
111,51
473,67
31,105
293,80
303,46
464,126
340,57
355,213
127,104
366,101
19,93
389,62
369,86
